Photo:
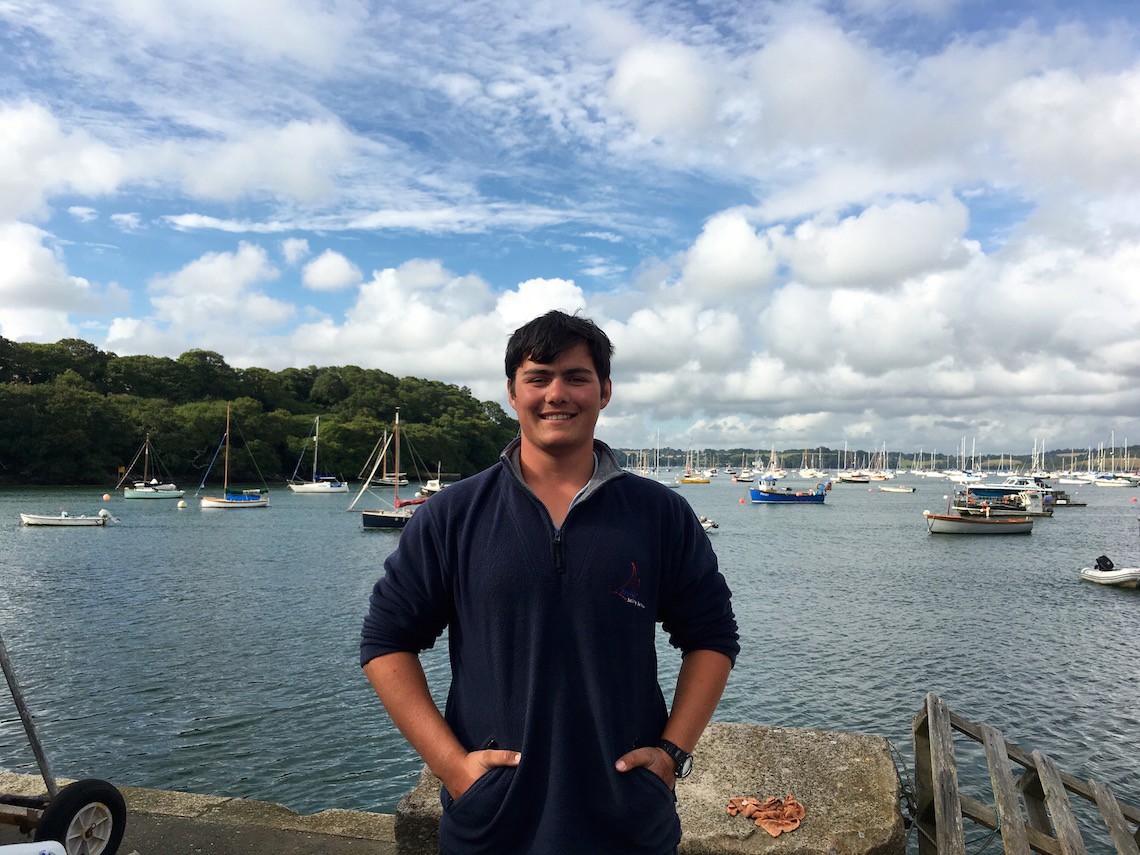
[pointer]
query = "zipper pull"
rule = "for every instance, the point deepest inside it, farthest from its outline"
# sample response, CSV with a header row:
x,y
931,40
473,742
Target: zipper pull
x,y
558,565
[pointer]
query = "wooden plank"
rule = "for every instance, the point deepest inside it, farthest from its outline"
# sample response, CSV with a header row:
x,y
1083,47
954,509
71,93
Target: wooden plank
x,y
1014,839
950,836
1029,784
1123,837
1020,756
1042,786
985,815
1065,826
923,782
1024,758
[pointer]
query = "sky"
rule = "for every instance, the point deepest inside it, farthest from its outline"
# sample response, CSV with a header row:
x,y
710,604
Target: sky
x,y
903,222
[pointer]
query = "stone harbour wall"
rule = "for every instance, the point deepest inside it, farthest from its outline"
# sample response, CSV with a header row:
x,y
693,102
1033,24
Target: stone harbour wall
x,y
847,782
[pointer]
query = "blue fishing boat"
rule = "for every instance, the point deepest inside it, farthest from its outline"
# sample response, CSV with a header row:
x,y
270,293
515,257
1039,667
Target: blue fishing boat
x,y
769,493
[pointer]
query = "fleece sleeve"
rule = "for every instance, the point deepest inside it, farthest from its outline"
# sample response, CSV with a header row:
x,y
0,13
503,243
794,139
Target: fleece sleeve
x,y
411,604
696,609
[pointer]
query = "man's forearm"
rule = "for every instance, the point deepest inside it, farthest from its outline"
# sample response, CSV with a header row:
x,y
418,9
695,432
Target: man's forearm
x,y
402,687
700,683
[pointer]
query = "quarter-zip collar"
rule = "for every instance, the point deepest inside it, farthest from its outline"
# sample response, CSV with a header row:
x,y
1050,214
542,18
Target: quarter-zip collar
x,y
606,468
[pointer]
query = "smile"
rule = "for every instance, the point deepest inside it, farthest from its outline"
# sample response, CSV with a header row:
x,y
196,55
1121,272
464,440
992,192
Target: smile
x,y
557,417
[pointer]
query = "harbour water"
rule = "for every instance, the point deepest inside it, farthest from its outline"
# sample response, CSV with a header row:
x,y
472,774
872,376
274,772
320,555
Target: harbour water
x,y
216,651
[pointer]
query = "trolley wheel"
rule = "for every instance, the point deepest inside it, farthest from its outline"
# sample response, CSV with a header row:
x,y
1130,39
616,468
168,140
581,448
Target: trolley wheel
x,y
87,817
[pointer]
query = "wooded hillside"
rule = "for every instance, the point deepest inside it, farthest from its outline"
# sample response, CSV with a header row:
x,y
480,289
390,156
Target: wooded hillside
x,y
73,414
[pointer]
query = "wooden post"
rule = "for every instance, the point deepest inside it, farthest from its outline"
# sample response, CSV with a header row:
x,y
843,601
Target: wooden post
x,y
1068,833
1126,842
923,783
1014,839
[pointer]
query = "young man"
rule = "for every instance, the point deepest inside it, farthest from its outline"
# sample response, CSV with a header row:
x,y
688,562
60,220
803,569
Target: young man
x,y
550,571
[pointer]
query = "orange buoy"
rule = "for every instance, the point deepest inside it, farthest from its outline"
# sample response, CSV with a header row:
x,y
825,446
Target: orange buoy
x,y
106,497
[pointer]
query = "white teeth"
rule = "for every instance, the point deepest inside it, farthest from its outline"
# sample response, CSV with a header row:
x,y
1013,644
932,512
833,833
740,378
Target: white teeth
x,y
557,417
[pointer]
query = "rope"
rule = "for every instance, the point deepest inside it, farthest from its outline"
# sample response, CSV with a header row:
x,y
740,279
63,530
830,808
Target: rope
x,y
907,800
986,841
245,445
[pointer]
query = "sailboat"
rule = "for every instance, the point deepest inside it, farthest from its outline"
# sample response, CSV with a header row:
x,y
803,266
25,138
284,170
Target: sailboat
x,y
691,475
149,487
319,483
231,499
401,509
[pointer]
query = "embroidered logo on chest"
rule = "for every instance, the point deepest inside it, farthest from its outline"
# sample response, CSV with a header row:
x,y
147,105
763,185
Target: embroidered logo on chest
x,y
628,589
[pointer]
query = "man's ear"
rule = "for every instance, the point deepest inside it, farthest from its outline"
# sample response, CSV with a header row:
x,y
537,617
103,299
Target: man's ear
x,y
607,392
511,391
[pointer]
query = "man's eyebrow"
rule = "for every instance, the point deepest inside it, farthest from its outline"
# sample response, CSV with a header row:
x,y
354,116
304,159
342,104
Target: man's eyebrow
x,y
544,370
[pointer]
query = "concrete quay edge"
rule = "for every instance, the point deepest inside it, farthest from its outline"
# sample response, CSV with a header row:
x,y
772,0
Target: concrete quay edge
x,y
174,822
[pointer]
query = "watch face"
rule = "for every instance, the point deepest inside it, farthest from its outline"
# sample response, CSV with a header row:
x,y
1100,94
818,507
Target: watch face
x,y
686,768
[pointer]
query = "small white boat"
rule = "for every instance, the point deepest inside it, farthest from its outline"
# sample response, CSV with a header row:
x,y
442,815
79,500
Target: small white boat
x,y
152,489
431,486
1105,573
244,499
63,518
323,484
708,525
149,486
955,524
896,488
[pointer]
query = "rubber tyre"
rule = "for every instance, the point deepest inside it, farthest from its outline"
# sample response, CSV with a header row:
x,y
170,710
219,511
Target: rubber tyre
x,y
87,817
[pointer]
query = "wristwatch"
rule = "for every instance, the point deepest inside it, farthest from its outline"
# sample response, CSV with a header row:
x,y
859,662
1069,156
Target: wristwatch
x,y
682,760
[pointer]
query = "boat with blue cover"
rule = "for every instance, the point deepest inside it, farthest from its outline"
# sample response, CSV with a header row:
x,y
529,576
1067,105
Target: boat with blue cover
x,y
768,493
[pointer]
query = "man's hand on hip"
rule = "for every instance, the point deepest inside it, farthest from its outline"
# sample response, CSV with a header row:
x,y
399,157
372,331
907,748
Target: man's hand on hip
x,y
653,759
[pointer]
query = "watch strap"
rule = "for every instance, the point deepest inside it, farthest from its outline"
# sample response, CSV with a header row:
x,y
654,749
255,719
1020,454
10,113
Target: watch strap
x,y
681,757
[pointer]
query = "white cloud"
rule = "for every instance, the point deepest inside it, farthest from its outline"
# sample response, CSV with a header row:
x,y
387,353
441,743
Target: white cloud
x,y
134,336
536,297
127,222
729,258
1065,129
273,30
880,246
330,271
216,296
37,294
665,88
82,213
301,160
39,158
294,249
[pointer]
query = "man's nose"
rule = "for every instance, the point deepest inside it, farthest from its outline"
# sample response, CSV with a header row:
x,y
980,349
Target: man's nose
x,y
556,391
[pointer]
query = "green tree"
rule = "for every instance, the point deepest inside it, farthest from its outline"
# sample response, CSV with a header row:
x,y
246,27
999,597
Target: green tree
x,y
147,377
207,377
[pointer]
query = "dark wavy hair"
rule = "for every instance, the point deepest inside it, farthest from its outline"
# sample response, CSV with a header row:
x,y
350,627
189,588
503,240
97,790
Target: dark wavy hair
x,y
544,338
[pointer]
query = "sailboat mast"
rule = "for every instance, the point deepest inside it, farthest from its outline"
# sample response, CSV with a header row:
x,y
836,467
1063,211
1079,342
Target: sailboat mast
x,y
226,478
396,458
316,442
146,458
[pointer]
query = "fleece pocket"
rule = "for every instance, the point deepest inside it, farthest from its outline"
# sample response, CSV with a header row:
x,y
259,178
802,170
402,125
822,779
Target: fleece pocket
x,y
468,818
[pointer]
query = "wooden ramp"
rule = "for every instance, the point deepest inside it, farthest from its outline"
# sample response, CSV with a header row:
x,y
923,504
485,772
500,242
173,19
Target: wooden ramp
x,y
1031,810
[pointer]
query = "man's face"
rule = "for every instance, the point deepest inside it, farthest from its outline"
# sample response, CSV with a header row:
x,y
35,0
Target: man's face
x,y
558,403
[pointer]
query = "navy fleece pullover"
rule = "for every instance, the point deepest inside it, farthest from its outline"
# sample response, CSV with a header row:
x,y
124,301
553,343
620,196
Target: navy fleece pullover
x,y
551,639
